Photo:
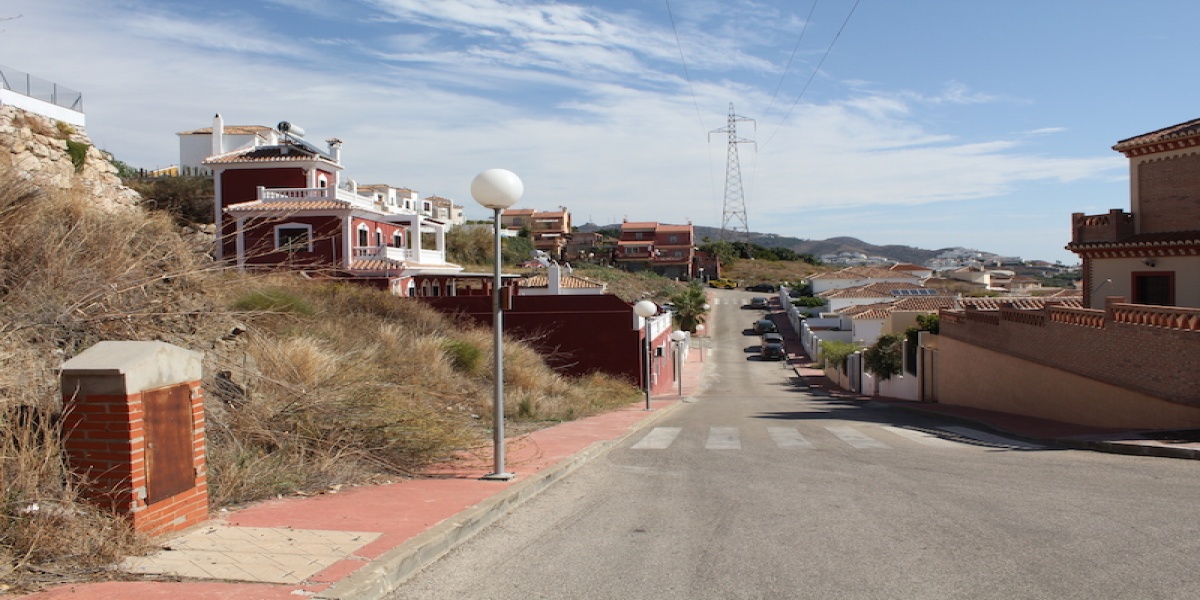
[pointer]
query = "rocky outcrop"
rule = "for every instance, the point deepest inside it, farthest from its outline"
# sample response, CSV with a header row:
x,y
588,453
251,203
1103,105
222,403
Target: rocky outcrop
x,y
58,156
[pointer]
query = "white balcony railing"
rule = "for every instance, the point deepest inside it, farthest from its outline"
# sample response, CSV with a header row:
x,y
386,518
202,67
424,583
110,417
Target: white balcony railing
x,y
424,257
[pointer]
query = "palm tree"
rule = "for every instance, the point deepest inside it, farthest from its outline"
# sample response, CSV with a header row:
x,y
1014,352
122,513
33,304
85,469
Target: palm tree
x,y
690,307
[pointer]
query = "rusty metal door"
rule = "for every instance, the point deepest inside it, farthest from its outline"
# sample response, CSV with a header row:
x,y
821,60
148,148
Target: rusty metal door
x,y
169,442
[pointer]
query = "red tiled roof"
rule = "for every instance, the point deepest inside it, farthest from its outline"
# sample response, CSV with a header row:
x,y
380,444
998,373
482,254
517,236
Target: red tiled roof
x,y
230,130
908,267
288,205
1142,240
277,153
377,264
1018,302
542,280
878,310
871,290
863,273
926,304
1174,132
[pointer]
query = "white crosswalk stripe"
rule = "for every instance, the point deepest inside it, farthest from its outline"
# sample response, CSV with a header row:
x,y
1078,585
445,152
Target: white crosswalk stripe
x,y
788,437
856,438
659,438
723,438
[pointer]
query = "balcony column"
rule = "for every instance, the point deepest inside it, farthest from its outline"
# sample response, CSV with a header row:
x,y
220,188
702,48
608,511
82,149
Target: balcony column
x,y
416,237
440,231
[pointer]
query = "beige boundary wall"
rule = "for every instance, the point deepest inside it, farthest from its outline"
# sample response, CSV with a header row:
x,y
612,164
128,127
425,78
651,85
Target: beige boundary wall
x,y
968,375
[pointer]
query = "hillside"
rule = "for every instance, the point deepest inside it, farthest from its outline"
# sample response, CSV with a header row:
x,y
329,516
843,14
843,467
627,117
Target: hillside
x,y
308,384
816,248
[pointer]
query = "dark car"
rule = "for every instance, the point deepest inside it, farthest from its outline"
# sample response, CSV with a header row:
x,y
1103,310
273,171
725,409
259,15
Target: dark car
x,y
759,302
772,338
762,326
772,351
760,287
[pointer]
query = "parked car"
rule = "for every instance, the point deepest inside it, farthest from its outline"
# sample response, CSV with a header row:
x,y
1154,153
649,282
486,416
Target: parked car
x,y
772,338
772,351
762,326
727,284
759,302
760,287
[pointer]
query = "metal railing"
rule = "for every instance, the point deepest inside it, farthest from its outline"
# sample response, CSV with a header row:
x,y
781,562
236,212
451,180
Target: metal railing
x,y
35,87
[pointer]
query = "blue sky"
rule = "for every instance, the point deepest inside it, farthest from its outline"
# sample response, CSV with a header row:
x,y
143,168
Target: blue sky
x,y
934,123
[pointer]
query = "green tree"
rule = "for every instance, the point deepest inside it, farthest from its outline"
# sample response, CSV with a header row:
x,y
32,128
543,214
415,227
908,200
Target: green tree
x,y
883,358
690,307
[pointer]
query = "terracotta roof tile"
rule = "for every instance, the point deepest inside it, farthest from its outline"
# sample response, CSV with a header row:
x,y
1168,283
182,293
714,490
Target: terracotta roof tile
x,y
230,130
288,205
541,280
1018,302
377,264
294,153
1143,240
1174,132
927,304
871,290
863,273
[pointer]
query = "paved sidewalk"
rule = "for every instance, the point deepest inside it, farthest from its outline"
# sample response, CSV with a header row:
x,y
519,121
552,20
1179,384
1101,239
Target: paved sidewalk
x,y
360,542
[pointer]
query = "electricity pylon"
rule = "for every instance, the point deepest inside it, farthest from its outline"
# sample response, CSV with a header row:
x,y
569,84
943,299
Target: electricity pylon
x,y
734,208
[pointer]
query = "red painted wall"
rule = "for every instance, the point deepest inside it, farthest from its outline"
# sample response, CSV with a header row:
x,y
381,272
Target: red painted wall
x,y
579,334
260,242
241,185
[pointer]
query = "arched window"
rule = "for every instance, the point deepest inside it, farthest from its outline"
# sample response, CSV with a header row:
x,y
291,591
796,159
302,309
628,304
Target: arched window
x,y
397,239
364,235
322,181
378,236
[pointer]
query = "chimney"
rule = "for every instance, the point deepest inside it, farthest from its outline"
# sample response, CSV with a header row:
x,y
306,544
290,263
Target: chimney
x,y
218,135
335,149
553,279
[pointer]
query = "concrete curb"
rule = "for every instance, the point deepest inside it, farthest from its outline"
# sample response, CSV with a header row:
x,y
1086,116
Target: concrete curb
x,y
385,574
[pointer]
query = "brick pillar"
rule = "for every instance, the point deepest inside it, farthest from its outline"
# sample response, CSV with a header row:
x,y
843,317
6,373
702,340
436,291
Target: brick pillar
x,y
133,429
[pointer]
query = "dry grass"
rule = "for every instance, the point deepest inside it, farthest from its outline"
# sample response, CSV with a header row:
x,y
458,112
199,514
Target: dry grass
x,y
307,383
750,272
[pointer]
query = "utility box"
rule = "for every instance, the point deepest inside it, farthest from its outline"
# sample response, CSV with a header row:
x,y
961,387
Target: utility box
x,y
133,429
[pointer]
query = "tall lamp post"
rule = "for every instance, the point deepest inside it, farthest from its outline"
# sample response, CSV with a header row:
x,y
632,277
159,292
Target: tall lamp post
x,y
497,189
678,336
646,309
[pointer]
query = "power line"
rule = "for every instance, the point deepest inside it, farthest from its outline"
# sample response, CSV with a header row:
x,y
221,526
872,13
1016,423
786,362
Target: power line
x,y
683,61
795,48
814,73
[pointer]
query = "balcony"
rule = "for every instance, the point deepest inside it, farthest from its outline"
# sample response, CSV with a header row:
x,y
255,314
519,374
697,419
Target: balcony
x,y
423,256
320,193
1112,227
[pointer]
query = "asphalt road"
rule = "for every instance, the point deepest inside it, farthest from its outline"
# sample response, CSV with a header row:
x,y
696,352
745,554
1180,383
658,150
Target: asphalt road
x,y
760,489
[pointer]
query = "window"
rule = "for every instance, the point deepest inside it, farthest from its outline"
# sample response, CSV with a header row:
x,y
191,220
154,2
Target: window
x,y
322,181
1154,288
674,239
364,235
293,237
378,237
397,240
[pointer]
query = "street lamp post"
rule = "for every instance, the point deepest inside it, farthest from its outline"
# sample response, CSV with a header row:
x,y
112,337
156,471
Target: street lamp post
x,y
497,189
646,309
678,336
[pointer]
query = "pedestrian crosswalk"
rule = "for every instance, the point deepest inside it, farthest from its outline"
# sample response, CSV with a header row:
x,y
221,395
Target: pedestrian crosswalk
x,y
859,436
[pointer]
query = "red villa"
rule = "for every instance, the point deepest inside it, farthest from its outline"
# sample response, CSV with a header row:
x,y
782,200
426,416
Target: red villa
x,y
285,203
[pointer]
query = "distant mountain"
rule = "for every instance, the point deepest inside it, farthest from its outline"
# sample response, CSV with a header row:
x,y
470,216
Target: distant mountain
x,y
908,254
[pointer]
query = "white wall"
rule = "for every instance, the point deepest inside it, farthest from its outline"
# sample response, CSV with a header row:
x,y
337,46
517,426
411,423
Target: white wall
x,y
41,107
